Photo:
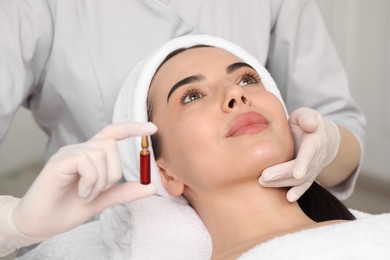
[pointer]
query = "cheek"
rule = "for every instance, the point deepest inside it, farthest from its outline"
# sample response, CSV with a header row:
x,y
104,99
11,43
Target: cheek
x,y
268,150
193,128
283,132
187,142
284,141
283,128
279,146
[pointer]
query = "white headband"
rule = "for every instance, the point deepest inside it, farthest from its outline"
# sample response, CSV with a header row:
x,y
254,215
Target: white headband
x,y
131,104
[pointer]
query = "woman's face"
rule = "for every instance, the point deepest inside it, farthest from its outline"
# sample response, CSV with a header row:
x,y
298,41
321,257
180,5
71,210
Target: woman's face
x,y
218,125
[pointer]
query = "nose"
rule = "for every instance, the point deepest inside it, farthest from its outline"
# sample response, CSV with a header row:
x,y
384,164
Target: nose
x,y
234,98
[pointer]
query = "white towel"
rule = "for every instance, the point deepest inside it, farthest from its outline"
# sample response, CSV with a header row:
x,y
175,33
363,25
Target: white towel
x,y
157,228
154,228
362,239
83,242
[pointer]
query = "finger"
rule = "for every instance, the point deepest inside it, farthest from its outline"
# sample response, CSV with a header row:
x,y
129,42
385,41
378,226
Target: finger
x,y
122,193
305,118
125,130
109,149
279,171
114,165
308,122
88,175
305,157
297,191
98,158
287,182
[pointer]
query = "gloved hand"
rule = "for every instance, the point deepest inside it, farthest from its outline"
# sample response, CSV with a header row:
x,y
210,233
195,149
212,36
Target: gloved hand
x,y
316,141
76,183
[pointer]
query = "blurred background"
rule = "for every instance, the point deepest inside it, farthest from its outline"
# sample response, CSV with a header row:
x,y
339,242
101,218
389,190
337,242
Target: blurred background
x,y
361,33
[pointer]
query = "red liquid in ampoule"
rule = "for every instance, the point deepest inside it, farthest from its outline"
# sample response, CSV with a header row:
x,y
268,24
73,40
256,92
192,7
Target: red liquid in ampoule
x,y
145,168
144,161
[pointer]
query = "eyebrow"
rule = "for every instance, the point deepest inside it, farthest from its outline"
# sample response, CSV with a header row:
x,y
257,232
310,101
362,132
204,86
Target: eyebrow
x,y
237,65
198,78
185,81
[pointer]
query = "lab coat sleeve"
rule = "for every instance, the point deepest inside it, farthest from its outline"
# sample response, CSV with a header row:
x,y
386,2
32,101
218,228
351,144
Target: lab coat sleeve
x,y
306,68
25,44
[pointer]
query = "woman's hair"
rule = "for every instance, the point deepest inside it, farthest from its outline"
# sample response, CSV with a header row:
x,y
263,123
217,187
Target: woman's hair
x,y
317,203
320,205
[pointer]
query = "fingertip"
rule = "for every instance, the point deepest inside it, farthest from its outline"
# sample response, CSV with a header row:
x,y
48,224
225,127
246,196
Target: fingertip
x,y
298,174
90,198
261,180
299,171
149,189
137,190
296,192
93,193
151,128
292,196
121,131
84,190
122,193
264,177
309,117
267,176
309,122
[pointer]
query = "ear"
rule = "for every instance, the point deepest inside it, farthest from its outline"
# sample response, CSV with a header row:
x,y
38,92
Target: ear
x,y
170,181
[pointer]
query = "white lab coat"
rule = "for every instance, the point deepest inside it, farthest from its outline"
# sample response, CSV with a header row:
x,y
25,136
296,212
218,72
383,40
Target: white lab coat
x,y
66,60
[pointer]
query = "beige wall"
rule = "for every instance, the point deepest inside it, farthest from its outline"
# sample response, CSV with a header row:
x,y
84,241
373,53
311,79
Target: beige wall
x,y
24,145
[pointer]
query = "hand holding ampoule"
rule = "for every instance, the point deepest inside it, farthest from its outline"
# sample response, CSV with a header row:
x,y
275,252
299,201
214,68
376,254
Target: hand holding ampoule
x,y
76,183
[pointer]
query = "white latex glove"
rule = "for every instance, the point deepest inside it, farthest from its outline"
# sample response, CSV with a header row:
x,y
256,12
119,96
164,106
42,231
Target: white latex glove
x,y
316,141
76,183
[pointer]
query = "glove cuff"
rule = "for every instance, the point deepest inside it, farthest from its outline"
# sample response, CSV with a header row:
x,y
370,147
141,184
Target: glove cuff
x,y
10,237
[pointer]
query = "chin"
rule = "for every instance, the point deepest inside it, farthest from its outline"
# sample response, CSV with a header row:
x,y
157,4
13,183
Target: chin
x,y
268,156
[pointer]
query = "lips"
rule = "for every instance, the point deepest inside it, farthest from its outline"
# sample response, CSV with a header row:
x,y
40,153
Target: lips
x,y
248,123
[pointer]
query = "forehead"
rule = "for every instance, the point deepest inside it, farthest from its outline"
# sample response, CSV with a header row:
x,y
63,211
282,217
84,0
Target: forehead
x,y
193,61
198,58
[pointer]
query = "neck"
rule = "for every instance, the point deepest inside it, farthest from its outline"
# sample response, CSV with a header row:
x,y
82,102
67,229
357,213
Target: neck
x,y
242,216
